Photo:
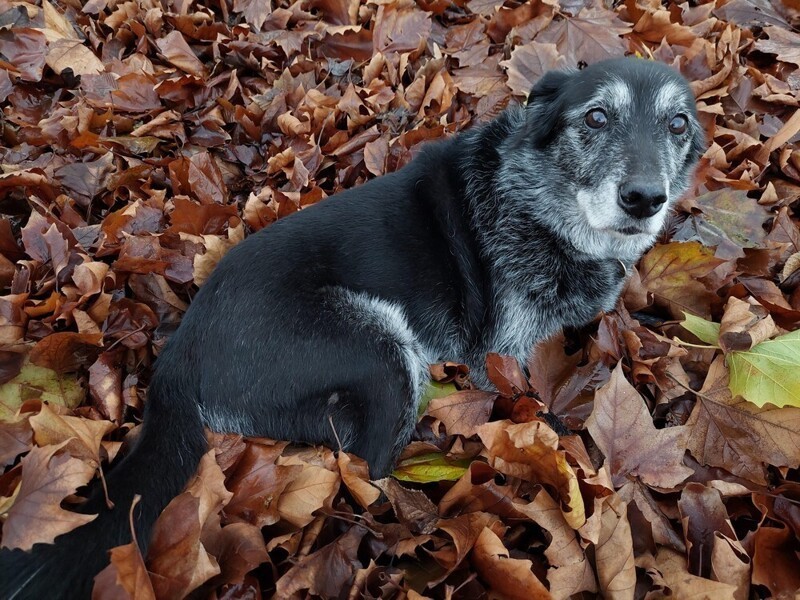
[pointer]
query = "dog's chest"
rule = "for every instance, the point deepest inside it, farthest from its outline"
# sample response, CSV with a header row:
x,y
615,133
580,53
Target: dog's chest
x,y
531,309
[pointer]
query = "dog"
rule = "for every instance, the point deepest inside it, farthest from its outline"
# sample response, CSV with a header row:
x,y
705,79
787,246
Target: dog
x,y
323,325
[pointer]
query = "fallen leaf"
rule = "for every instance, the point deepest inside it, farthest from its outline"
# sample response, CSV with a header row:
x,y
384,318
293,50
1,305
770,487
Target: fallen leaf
x,y
671,272
737,435
512,578
622,428
39,382
768,373
36,515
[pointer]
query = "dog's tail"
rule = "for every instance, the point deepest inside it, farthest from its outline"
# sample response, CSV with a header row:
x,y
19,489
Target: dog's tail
x,y
162,461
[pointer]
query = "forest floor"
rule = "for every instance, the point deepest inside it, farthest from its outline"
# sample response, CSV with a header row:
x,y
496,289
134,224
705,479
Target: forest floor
x,y
143,139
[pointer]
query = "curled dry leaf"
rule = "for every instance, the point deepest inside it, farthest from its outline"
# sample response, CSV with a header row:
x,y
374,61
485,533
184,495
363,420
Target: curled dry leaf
x,y
512,578
570,571
682,584
713,547
745,324
412,508
176,557
614,554
355,475
530,452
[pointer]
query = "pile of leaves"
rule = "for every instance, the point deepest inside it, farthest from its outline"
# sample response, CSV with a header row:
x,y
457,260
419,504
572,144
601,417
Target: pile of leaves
x,y
653,452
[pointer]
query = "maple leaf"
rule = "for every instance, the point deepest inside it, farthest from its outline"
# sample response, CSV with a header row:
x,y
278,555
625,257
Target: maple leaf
x,y
36,515
528,63
592,35
622,428
768,373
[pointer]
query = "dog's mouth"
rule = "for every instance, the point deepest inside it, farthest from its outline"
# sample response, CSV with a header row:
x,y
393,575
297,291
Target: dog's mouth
x,y
629,230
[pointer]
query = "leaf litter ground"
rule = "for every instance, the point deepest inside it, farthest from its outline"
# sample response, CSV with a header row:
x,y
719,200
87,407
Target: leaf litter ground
x,y
142,140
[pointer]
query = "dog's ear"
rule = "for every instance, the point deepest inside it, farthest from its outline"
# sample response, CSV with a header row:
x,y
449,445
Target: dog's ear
x,y
544,106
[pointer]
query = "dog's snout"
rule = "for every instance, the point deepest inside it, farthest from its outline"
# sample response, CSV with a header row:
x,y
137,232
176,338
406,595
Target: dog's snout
x,y
641,199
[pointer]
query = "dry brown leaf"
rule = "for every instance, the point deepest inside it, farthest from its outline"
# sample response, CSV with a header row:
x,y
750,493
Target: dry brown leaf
x,y
355,475
530,451
326,571
738,435
671,272
463,412
614,553
512,578
569,569
72,54
36,515
683,584
308,491
745,324
622,428
125,578
80,438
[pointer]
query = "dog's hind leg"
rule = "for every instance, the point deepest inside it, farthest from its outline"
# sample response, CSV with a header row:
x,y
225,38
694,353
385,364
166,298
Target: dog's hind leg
x,y
345,368
377,412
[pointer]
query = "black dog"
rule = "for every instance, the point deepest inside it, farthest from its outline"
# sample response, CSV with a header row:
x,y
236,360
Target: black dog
x,y
328,319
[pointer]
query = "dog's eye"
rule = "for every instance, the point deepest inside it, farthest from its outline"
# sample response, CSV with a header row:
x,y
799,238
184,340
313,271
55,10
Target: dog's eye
x,y
678,124
596,118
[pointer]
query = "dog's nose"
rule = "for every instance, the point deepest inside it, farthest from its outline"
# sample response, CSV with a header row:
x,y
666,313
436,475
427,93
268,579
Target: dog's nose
x,y
640,199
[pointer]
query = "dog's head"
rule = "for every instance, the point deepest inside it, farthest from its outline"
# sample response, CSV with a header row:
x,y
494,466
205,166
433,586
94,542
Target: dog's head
x,y
620,139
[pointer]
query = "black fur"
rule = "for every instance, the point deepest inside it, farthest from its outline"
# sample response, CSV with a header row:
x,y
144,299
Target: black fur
x,y
331,314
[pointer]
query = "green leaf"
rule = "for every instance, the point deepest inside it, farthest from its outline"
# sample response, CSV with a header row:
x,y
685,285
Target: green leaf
x,y
708,331
429,468
769,372
39,382
434,390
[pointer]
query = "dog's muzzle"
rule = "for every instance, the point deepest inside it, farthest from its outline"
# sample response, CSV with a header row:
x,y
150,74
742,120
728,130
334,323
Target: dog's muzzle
x,y
641,199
